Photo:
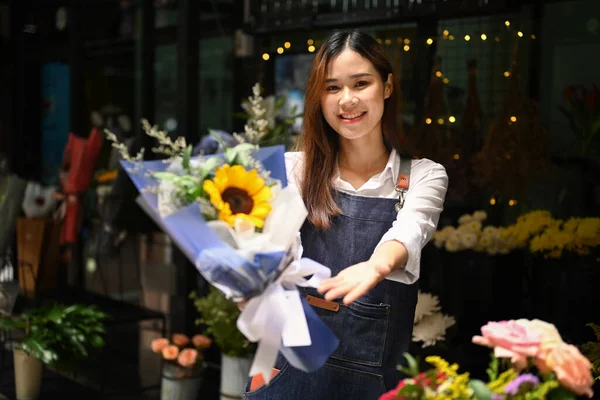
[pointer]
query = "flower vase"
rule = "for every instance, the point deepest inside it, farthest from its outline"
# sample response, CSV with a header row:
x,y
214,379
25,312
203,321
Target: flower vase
x,y
234,376
180,383
28,376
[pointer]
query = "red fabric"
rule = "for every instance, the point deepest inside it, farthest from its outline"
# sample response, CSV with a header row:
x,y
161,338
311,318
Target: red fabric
x,y
79,162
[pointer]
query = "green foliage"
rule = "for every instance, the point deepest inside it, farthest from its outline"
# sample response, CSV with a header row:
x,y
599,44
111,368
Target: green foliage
x,y
592,351
220,316
59,335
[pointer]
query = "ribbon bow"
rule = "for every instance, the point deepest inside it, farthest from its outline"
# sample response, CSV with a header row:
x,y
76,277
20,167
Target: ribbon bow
x,y
277,317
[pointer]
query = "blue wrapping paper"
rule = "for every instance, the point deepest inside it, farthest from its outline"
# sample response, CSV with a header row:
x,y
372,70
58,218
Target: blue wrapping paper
x,y
223,267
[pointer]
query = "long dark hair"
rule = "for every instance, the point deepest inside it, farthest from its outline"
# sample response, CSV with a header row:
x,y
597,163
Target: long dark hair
x,y
319,142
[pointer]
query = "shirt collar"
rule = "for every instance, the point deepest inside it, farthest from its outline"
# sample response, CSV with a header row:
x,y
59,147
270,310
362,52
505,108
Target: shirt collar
x,y
390,171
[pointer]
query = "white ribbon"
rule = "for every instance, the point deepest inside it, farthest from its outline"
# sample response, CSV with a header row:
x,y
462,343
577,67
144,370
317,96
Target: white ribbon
x,y
277,315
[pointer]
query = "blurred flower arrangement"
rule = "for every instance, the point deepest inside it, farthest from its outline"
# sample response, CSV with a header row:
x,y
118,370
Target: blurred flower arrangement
x,y
266,125
182,352
430,325
537,231
582,109
539,366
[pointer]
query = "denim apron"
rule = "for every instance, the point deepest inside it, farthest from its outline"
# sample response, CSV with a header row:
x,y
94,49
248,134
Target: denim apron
x,y
374,331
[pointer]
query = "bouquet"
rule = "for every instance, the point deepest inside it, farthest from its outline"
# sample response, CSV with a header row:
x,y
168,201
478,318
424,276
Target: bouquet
x,y
226,212
539,365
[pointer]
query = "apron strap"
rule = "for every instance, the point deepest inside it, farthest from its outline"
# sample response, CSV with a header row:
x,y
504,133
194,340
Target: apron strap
x,y
403,181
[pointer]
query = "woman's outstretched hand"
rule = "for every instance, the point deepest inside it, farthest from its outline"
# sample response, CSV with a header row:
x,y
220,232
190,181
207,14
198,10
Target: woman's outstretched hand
x,y
355,281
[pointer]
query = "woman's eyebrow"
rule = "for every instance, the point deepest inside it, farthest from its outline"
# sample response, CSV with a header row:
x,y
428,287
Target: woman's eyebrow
x,y
351,76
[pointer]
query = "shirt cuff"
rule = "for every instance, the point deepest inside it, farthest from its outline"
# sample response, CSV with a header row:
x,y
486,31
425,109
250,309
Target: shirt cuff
x,y
410,272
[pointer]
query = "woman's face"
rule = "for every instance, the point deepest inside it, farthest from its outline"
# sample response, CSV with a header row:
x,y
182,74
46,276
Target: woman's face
x,y
353,96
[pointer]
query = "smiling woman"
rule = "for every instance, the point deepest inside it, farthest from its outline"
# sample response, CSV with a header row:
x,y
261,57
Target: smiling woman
x,y
370,213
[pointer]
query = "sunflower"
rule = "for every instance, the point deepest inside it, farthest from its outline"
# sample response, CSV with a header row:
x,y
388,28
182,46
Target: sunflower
x,y
237,193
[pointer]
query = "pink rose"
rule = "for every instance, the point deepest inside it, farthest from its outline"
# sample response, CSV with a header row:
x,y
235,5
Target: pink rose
x,y
572,369
158,344
549,335
187,357
201,342
510,340
179,339
170,352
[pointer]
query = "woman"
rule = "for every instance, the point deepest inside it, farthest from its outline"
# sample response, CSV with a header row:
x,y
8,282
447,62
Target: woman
x,y
352,180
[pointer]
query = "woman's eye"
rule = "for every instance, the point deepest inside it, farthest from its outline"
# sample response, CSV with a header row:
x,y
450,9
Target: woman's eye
x,y
362,83
332,87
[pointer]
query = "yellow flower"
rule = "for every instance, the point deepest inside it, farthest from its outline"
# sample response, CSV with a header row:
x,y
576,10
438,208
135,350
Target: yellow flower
x,y
237,193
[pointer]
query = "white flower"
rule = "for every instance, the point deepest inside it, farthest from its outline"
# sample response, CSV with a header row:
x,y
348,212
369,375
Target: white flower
x,y
168,200
465,219
469,240
480,215
452,245
432,329
427,304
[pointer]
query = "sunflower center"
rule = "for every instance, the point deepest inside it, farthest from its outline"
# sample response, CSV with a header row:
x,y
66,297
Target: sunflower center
x,y
239,200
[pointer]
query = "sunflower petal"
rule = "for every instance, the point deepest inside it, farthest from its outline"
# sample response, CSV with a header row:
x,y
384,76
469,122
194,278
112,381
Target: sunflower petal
x,y
214,193
237,177
263,196
261,210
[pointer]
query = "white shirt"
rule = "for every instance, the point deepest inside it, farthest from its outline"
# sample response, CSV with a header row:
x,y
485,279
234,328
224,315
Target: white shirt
x,y
417,220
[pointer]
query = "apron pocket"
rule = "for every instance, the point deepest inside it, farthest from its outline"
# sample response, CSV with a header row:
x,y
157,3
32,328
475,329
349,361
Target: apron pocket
x,y
362,330
274,386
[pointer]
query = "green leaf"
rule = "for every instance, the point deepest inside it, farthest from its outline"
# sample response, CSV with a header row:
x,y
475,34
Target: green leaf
x,y
480,390
493,369
410,391
561,394
187,155
209,165
413,364
279,102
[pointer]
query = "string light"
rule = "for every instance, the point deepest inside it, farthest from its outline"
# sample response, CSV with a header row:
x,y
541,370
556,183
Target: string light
x,y
506,74
446,81
445,35
512,202
428,121
492,200
440,121
438,74
456,156
513,119
452,119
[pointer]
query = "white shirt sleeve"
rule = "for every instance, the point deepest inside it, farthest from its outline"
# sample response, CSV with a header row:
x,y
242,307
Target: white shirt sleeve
x,y
294,162
417,220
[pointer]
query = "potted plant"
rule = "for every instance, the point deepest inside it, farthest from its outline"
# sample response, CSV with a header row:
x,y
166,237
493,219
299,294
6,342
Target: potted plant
x,y
54,335
220,315
183,365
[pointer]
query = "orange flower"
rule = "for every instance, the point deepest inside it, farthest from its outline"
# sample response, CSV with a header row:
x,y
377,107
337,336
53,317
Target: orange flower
x,y
170,352
201,342
187,357
158,345
572,369
179,339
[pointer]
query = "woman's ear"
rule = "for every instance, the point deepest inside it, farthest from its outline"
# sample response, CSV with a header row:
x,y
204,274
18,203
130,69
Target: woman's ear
x,y
388,86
